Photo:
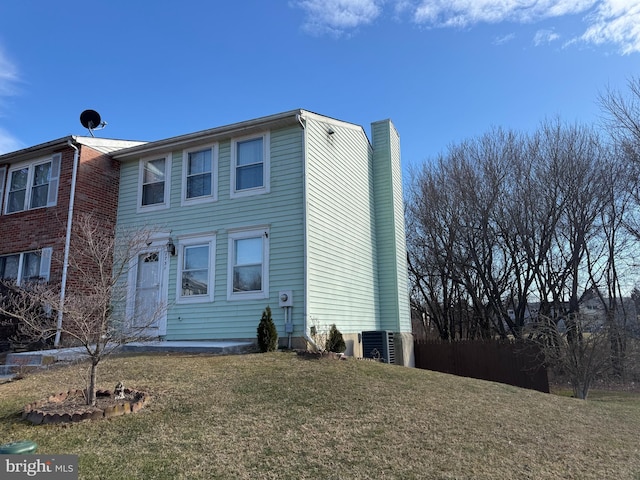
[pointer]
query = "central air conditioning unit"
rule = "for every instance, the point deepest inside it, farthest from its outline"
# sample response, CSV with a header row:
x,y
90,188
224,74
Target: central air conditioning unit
x,y
378,344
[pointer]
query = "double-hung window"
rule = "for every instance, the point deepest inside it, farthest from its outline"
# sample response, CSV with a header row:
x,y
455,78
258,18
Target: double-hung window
x,y
26,267
3,176
32,185
200,167
196,260
154,183
248,264
250,165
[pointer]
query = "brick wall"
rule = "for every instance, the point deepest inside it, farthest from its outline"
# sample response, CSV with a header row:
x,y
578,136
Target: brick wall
x,y
96,193
42,227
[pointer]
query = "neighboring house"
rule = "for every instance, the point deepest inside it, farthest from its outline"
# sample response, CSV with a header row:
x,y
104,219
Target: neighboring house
x,y
592,309
596,310
294,205
39,187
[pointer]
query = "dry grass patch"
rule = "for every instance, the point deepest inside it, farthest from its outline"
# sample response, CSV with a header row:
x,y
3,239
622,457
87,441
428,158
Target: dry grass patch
x,y
280,416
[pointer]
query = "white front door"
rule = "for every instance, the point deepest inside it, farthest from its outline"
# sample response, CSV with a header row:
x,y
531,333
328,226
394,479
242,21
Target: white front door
x,y
149,303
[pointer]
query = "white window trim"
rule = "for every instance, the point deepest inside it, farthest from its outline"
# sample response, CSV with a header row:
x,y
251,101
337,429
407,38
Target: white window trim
x,y
167,183
214,176
238,235
45,263
3,177
54,180
204,239
266,166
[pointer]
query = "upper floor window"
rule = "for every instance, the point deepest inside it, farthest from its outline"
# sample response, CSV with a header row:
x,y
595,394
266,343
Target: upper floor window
x,y
26,267
3,176
154,183
248,264
250,165
199,174
32,185
196,267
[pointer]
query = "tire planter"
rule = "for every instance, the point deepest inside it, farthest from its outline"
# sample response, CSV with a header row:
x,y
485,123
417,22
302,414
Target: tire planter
x,y
38,412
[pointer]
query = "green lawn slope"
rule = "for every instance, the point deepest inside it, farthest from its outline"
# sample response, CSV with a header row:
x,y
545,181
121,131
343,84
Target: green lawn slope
x,y
278,415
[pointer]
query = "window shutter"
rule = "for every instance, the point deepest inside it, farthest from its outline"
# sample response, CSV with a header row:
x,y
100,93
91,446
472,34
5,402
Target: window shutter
x,y
45,263
3,176
55,180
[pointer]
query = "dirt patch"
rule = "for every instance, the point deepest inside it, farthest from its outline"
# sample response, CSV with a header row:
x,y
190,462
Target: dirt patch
x,y
320,355
71,406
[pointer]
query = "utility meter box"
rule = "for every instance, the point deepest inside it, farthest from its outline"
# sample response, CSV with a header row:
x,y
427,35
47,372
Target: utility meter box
x,y
285,298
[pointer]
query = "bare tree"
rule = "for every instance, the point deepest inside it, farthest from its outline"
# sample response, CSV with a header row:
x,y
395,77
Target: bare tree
x,y
622,117
432,219
99,265
506,220
622,121
581,360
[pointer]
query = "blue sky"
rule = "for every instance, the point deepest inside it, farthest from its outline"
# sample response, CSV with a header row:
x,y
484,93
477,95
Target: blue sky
x,y
442,70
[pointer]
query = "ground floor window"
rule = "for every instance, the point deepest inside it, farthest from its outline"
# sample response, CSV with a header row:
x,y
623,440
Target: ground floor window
x,y
26,266
248,264
196,261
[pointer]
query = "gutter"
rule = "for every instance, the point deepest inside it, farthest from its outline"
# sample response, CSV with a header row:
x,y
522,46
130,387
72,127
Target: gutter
x,y
67,241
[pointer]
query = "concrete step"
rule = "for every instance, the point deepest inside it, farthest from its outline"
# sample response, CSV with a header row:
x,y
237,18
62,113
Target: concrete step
x,y
24,358
25,361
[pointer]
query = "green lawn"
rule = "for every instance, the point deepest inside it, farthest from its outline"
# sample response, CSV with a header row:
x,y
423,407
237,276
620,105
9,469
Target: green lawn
x,y
278,415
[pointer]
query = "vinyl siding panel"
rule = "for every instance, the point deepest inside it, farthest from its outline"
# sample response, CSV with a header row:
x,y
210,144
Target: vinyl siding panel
x,y
341,250
392,267
280,211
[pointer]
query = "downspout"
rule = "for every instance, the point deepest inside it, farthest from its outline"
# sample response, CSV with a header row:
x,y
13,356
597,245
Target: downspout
x,y
67,243
305,313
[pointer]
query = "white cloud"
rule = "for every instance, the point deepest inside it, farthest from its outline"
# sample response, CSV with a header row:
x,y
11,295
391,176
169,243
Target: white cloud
x,y
8,82
544,36
462,13
8,143
504,39
617,22
338,16
614,22
8,75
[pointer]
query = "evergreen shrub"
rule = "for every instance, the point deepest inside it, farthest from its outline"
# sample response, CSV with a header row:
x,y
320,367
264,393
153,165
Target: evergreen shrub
x,y
267,333
335,342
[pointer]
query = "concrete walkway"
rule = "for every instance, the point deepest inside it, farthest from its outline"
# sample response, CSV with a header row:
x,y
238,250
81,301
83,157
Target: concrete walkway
x,y
219,347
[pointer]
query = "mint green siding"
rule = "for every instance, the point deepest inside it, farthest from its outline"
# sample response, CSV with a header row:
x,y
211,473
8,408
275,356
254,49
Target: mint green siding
x,y
392,259
341,245
333,219
357,275
280,211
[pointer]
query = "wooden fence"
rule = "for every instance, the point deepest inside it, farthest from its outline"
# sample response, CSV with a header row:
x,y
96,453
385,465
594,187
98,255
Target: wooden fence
x,y
513,363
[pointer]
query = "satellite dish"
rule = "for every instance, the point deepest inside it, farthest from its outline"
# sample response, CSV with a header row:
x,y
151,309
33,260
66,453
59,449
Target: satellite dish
x,y
90,119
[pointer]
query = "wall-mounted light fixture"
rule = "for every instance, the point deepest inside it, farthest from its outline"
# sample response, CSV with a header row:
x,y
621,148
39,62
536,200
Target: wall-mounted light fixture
x,y
171,248
330,131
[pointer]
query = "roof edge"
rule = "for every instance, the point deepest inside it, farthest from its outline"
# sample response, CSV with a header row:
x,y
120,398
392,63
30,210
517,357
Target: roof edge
x,y
29,151
212,134
103,145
